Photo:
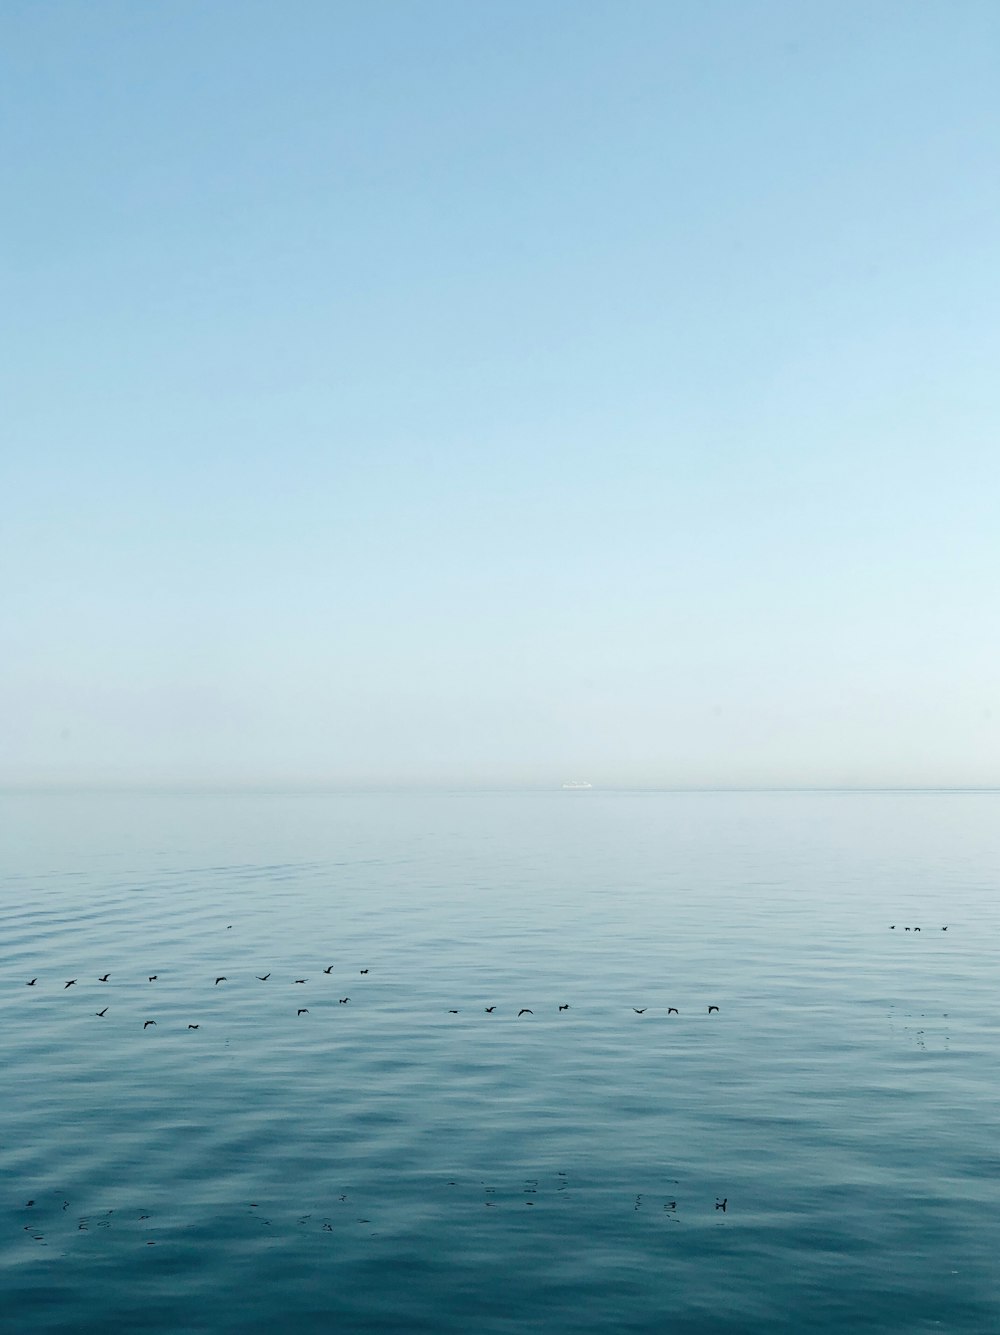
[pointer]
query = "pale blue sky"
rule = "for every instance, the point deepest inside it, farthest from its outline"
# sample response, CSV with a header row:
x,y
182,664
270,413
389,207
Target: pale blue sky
x,y
501,392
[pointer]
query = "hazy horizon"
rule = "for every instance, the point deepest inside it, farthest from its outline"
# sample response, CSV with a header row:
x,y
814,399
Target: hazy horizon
x,y
501,395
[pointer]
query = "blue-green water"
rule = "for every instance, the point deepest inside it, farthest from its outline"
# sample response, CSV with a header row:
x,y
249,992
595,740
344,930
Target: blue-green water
x,y
384,1165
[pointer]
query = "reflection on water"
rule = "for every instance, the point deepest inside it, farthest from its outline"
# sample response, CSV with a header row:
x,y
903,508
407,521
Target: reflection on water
x,y
411,1153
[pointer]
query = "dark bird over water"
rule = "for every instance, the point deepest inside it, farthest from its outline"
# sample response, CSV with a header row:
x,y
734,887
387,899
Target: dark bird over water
x,y
329,969
944,929
104,979
344,1000
148,1023
490,1010
192,1026
672,1010
712,1008
640,1012
153,977
453,1012
223,979
31,982
525,1011
303,1010
69,984
263,977
363,970
302,980
721,1205
564,1008
101,1014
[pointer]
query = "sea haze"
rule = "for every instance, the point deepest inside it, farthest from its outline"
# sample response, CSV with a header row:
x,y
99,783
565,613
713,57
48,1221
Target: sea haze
x,y
821,1154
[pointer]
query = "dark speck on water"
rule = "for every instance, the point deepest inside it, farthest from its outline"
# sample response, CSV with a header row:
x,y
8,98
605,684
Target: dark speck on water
x,y
819,1158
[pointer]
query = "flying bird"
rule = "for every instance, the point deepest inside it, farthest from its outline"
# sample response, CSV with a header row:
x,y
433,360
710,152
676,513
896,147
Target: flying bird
x,y
263,977
344,1000
302,980
712,1008
31,982
640,1012
453,1012
148,1023
329,969
524,1011
363,970
221,980
564,1008
721,1205
153,977
192,1026
490,1010
70,983
104,979
672,1010
303,1010
101,1014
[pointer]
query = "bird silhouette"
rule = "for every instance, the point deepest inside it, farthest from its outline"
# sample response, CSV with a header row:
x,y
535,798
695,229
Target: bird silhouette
x,y
31,982
192,1026
344,1000
329,969
524,1011
640,1012
916,929
69,984
892,928
101,1014
906,929
302,980
148,1023
712,1008
363,971
153,977
672,1010
263,977
104,979
944,929
490,1010
303,1010
221,980
453,1012
721,1205
564,1008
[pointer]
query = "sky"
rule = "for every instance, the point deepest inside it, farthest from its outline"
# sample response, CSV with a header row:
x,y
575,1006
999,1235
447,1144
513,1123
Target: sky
x,y
494,392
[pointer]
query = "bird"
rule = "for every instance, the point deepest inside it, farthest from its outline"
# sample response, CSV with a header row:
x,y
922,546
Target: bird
x,y
344,1000
564,1008
892,928
229,928
148,1023
363,971
916,929
329,969
303,1010
302,980
490,1010
640,1012
721,1205
453,1012
223,979
70,983
906,929
944,929
104,979
263,977
192,1026
153,977
524,1011
712,1008
31,982
101,1014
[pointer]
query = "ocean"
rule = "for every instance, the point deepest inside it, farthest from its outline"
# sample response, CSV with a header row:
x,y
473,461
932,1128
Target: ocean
x,y
390,1145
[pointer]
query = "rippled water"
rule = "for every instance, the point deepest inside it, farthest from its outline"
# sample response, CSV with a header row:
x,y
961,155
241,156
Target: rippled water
x,y
384,1165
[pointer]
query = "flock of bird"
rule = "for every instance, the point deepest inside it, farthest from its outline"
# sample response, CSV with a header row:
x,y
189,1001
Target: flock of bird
x,y
343,1001
912,929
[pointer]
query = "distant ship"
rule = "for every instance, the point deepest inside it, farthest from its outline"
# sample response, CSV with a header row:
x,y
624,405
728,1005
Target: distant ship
x,y
576,785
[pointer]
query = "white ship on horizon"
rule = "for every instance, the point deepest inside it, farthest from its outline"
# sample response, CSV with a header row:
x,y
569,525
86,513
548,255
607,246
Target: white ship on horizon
x,y
577,785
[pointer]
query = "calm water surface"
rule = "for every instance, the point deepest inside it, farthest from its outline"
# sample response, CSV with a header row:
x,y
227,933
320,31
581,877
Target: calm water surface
x,y
383,1165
